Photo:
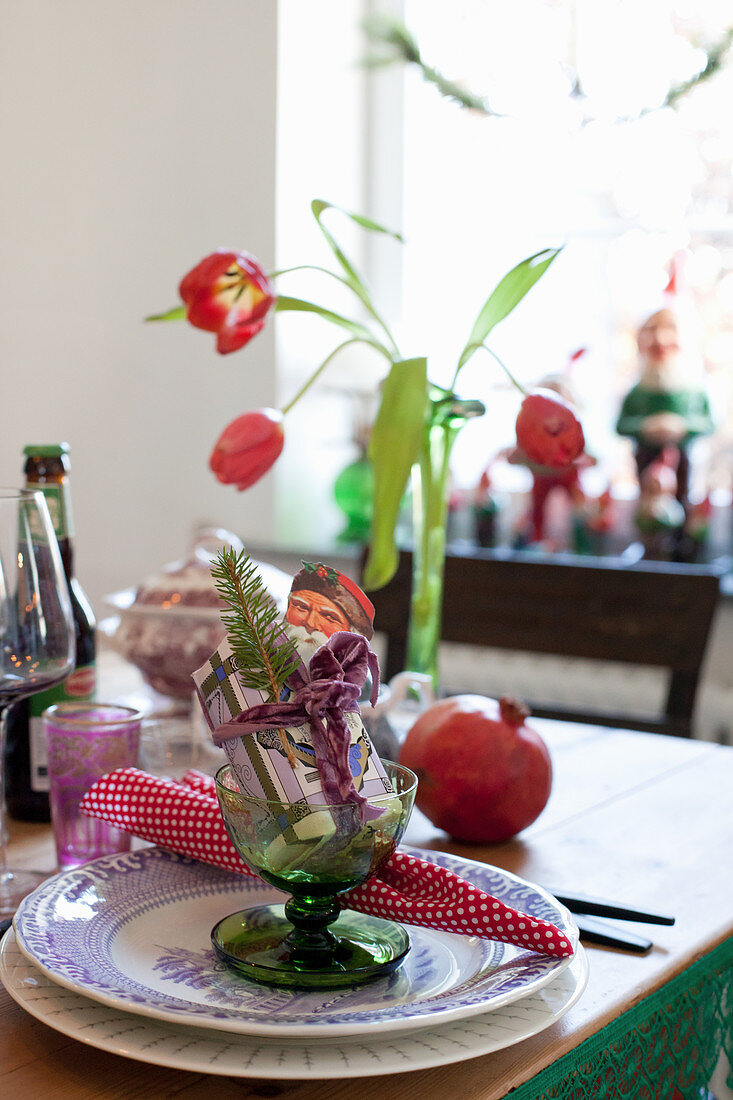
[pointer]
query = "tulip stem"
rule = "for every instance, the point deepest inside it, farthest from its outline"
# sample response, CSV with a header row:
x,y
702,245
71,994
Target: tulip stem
x,y
316,374
502,364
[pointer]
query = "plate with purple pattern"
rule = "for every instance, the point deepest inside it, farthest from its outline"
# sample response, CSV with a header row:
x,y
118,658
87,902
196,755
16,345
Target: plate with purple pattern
x,y
132,931
203,1050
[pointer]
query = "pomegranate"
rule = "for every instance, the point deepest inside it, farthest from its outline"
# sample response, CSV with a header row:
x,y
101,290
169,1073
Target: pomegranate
x,y
483,774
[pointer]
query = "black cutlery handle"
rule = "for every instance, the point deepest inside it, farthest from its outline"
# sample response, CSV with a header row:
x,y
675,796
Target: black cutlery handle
x,y
599,907
594,931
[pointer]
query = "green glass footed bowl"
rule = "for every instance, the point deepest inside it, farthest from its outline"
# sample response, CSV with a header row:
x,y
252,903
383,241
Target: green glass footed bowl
x,y
314,853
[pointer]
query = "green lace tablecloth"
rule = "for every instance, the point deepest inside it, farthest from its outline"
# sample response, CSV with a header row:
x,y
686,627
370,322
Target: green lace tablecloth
x,y
665,1048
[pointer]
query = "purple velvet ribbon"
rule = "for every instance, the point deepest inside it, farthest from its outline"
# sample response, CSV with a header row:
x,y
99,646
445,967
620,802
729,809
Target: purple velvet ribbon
x,y
321,696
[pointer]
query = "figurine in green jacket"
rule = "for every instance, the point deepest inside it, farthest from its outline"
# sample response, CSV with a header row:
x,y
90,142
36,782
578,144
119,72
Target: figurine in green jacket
x,y
663,410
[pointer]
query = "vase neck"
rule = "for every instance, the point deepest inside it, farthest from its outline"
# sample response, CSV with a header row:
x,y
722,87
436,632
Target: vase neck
x,y
450,410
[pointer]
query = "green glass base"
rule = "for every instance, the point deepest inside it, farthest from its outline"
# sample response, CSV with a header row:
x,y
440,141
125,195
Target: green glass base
x,y
258,943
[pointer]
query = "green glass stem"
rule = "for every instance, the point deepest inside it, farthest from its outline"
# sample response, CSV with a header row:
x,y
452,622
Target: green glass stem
x,y
311,944
315,856
430,486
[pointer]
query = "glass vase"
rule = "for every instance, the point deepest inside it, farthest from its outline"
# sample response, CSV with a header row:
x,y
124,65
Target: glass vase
x,y
430,489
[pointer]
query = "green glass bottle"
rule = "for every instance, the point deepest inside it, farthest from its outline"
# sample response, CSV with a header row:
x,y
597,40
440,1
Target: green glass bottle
x,y
26,775
353,491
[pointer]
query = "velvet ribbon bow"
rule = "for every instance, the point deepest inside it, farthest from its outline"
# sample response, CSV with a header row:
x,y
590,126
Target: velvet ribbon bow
x,y
320,697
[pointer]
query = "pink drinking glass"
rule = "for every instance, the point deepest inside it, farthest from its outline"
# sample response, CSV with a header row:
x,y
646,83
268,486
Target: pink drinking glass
x,y
85,741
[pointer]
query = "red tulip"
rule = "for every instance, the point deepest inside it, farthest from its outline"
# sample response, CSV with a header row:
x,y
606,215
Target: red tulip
x,y
248,447
548,430
228,293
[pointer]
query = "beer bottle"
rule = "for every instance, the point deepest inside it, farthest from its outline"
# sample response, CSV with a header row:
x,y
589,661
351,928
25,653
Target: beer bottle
x,y
26,774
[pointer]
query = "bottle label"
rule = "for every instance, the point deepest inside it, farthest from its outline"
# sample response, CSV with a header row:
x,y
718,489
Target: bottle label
x,y
81,683
39,755
58,499
77,687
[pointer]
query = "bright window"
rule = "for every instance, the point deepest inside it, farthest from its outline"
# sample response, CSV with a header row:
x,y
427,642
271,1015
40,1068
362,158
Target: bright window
x,y
473,195
480,193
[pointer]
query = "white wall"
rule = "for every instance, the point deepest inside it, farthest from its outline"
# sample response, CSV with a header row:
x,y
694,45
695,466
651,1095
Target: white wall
x,y
136,136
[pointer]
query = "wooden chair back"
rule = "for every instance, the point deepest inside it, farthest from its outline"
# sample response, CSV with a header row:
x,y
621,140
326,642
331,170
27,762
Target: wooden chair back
x,y
650,613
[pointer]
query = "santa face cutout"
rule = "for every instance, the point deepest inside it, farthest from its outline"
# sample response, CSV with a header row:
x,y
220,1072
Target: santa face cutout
x,y
323,601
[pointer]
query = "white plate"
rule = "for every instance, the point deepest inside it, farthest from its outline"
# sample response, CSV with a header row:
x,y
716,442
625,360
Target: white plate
x,y
133,931
193,1048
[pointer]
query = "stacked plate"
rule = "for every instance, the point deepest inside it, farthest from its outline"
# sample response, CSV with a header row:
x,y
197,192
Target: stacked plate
x,y
117,954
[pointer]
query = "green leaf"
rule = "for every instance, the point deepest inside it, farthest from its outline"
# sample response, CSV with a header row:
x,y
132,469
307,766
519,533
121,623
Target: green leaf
x,y
395,444
308,267
286,304
505,297
352,277
178,313
318,206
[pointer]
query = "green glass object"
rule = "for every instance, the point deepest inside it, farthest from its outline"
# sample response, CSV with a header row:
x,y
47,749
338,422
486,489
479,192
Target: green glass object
x,y
446,417
353,491
310,942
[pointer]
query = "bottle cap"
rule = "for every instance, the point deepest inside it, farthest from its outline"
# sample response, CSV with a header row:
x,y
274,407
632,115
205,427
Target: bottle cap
x,y
46,449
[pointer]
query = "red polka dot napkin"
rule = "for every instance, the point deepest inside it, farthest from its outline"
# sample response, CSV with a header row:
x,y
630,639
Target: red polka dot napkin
x,y
184,817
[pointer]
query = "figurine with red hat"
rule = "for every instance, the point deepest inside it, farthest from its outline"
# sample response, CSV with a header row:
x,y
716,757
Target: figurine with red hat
x,y
666,408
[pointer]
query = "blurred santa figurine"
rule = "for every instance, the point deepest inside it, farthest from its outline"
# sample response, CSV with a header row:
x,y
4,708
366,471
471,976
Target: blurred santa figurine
x,y
660,517
485,511
665,408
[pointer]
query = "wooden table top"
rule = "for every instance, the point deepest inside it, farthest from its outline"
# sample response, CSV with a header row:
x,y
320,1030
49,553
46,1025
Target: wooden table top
x,y
634,817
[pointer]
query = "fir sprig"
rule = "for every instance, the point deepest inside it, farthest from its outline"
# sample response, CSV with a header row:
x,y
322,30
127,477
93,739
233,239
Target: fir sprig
x,y
265,657
402,46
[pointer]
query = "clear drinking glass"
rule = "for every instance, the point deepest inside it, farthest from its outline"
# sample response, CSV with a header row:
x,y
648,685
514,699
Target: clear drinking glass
x,y
37,647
